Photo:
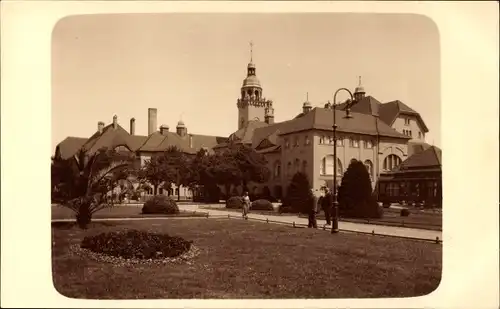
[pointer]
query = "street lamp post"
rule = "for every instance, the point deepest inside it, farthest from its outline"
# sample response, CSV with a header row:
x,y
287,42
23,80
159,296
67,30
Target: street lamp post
x,y
335,204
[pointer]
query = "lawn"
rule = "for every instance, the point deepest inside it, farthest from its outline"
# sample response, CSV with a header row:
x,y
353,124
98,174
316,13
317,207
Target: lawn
x,y
247,259
59,212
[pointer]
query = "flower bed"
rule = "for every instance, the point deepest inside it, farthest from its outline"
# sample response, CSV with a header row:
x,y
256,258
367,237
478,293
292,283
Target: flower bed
x,y
134,246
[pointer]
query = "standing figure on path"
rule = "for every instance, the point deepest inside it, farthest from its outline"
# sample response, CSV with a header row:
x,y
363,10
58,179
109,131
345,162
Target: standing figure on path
x,y
326,204
313,210
246,205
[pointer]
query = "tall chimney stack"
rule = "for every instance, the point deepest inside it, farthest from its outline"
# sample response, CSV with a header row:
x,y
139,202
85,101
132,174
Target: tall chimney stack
x,y
100,127
115,122
152,113
132,126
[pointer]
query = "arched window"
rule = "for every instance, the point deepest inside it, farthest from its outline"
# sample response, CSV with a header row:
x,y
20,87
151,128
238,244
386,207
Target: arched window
x,y
304,167
391,161
289,169
369,167
327,166
277,169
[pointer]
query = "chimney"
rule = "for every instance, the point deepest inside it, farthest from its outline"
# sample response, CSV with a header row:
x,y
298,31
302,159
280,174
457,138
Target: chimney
x,y
164,129
115,122
132,126
100,127
152,112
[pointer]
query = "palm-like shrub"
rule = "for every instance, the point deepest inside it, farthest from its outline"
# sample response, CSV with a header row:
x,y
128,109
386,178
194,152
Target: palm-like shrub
x,y
82,183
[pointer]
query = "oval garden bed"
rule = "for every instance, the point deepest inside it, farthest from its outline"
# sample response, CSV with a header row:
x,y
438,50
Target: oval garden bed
x,y
136,247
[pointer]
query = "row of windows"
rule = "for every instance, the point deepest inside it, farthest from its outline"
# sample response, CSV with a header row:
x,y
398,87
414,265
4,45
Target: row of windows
x,y
324,140
408,133
407,121
296,142
327,166
354,143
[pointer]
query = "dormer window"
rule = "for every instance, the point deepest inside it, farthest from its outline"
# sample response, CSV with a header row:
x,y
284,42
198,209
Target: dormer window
x,y
306,140
330,140
368,144
296,142
322,139
407,121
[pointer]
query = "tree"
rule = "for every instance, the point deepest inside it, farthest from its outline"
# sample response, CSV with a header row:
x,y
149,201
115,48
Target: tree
x,y
355,193
82,182
155,171
177,168
298,194
239,165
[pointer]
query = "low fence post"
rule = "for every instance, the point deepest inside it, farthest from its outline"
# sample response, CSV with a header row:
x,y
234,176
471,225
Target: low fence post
x,y
373,232
267,220
293,223
207,215
437,240
228,215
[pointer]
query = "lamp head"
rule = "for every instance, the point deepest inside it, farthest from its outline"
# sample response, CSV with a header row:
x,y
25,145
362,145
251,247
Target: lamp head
x,y
348,113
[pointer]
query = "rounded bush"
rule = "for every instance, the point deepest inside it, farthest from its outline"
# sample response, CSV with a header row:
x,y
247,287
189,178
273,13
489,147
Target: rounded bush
x,y
386,204
405,212
235,202
160,204
135,244
262,204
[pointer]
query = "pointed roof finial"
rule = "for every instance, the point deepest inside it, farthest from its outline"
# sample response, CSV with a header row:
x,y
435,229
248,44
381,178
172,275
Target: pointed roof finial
x,y
251,51
307,96
359,88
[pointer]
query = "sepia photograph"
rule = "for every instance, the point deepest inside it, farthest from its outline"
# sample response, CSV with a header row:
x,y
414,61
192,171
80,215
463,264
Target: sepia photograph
x,y
246,156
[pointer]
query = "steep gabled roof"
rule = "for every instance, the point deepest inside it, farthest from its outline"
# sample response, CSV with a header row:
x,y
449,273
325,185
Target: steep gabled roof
x,y
390,111
70,146
245,134
190,143
429,158
322,119
111,138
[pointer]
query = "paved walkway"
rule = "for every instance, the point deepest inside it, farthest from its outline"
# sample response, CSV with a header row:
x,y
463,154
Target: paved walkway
x,y
347,226
283,219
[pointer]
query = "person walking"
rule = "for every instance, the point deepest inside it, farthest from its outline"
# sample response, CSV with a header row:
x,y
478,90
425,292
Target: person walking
x,y
246,205
326,205
313,210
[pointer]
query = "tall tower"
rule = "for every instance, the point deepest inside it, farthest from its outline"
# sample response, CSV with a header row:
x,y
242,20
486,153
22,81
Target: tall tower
x,y
251,104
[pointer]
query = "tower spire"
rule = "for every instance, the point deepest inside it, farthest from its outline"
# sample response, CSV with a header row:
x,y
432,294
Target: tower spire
x,y
307,96
251,51
359,78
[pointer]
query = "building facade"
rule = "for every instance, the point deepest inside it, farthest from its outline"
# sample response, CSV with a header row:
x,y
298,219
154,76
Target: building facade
x,y
381,135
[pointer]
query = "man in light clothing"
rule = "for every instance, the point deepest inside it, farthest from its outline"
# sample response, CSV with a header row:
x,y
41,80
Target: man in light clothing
x,y
313,210
246,205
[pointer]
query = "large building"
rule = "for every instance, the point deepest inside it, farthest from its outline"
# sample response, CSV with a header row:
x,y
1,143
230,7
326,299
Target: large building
x,y
381,135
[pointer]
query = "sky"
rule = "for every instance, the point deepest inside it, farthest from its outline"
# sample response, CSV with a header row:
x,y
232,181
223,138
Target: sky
x,y
191,66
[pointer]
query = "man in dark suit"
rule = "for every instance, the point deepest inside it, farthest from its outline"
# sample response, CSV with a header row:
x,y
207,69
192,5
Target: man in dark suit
x,y
326,205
